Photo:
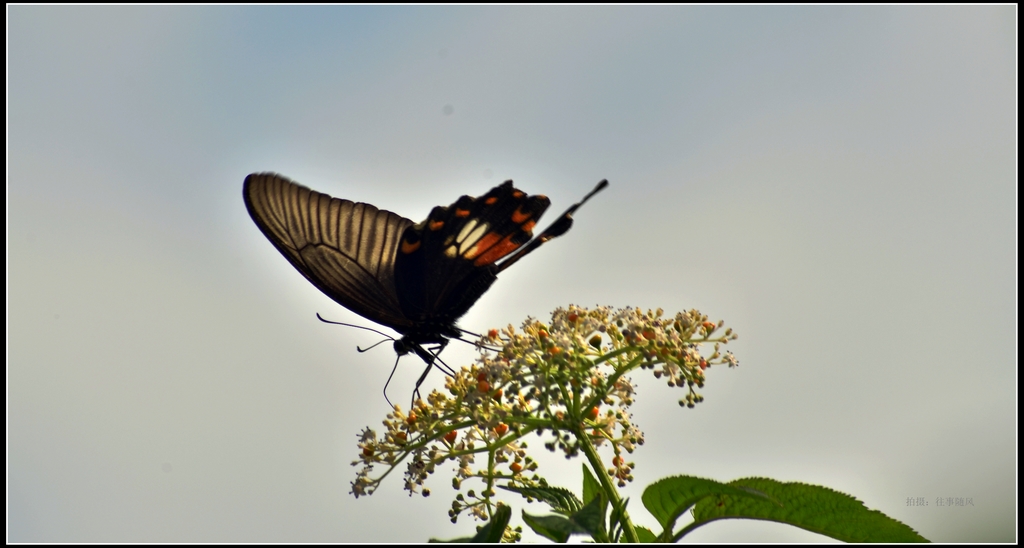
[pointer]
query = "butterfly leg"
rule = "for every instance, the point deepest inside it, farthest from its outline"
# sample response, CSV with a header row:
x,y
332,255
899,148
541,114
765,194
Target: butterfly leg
x,y
393,369
431,357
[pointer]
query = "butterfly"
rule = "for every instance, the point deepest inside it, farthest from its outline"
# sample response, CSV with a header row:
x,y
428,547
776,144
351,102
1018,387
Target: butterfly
x,y
416,278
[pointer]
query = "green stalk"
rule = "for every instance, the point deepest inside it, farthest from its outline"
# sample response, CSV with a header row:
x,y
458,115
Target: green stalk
x,y
606,481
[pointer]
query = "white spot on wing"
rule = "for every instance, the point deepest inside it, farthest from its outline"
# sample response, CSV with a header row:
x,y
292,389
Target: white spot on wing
x,y
473,238
466,229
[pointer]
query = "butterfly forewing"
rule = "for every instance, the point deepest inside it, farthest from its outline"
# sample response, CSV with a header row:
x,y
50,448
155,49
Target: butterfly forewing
x,y
346,249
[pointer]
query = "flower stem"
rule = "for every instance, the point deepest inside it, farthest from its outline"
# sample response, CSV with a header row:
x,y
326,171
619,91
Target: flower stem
x,y
606,481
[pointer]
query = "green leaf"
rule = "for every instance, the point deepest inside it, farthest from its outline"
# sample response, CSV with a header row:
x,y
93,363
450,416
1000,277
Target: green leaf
x,y
491,532
811,507
615,519
556,528
562,501
591,487
588,520
645,535
668,498
591,516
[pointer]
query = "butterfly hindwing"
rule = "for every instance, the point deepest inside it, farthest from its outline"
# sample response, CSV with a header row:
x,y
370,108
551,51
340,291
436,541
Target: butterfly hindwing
x,y
346,249
446,263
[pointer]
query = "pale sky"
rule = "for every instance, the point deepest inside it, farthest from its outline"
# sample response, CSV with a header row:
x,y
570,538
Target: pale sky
x,y
837,183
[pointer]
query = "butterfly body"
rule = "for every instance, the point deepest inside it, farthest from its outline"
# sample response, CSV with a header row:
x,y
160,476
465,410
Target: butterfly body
x,y
416,278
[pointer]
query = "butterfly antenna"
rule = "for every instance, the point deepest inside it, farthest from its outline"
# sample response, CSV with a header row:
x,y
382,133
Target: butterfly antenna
x,y
557,228
381,333
374,345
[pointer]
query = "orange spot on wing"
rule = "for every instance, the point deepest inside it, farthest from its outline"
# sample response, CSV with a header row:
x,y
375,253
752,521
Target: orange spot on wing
x,y
408,247
462,213
518,216
528,227
496,251
517,194
491,200
483,244
435,225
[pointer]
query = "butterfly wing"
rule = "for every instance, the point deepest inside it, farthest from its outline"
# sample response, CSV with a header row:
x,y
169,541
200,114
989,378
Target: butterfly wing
x,y
445,263
346,249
